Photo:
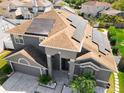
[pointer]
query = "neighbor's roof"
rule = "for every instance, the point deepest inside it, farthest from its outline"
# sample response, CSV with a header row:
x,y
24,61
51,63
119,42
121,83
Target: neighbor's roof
x,y
31,53
27,3
96,3
111,12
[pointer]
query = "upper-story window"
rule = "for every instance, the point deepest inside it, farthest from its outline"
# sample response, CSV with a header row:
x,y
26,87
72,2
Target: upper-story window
x,y
19,39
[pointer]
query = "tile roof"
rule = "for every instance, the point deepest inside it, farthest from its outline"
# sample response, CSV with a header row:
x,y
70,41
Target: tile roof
x,y
60,37
97,3
111,12
27,3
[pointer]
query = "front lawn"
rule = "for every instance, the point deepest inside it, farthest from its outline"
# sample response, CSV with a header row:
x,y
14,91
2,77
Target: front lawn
x,y
112,84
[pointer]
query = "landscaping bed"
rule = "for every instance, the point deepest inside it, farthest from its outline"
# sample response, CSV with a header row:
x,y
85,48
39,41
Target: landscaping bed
x,y
5,69
46,81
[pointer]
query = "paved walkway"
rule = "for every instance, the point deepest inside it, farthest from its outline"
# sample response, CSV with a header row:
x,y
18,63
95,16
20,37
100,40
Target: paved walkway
x,y
116,82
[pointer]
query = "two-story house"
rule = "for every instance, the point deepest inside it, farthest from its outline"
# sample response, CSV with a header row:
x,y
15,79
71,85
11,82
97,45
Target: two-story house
x,y
61,41
92,8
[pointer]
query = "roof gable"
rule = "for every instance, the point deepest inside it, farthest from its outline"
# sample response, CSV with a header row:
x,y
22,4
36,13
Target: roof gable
x,y
30,53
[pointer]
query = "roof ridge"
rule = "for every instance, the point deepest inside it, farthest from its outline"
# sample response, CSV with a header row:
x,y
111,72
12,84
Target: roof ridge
x,y
71,41
59,33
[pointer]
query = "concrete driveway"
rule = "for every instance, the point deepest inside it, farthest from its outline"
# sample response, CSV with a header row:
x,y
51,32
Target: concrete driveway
x,y
21,82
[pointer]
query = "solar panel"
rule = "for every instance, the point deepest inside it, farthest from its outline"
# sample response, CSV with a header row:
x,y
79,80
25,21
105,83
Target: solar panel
x,y
101,40
80,25
40,26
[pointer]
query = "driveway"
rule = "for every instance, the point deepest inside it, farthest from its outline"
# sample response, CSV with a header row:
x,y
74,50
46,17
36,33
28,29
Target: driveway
x,y
21,82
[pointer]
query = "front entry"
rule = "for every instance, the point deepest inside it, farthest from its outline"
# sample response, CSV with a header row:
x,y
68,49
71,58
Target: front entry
x,y
59,63
64,64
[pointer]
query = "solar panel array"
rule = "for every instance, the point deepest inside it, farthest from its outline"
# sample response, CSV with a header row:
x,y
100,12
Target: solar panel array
x,y
40,26
80,25
101,40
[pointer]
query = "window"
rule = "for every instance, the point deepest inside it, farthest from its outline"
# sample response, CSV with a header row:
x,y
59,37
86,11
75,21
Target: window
x,y
23,61
19,39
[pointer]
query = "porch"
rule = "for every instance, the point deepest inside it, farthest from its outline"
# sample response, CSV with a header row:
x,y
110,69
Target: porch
x,y
60,68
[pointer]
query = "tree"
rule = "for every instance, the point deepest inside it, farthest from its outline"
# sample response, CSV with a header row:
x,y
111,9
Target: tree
x,y
119,5
83,83
121,65
75,3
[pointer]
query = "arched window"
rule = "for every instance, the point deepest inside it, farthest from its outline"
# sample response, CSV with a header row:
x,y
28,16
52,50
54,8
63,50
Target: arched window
x,y
23,61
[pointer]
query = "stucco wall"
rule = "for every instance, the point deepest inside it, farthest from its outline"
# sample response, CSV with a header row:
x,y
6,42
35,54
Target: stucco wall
x,y
28,40
63,53
102,75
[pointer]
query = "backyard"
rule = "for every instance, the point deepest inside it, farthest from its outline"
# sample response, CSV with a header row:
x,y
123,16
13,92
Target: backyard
x,y
121,81
112,87
4,67
117,35
112,82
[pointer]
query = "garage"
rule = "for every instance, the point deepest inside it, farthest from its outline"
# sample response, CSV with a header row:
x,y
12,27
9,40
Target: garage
x,y
35,71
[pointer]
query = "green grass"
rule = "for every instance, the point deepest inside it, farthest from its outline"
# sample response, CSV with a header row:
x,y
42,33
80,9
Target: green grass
x,y
112,82
4,67
4,53
121,81
119,36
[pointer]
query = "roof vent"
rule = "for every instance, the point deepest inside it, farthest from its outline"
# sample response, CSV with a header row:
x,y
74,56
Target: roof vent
x,y
99,55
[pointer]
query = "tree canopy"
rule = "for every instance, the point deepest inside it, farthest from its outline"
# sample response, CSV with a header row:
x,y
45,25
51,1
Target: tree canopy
x,y
83,83
119,5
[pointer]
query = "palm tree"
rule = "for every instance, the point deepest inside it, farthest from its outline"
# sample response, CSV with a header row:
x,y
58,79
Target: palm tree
x,y
84,83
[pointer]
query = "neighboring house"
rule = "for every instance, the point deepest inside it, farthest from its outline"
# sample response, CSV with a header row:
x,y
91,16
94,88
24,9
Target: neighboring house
x,y
113,12
92,8
33,5
62,41
26,8
5,39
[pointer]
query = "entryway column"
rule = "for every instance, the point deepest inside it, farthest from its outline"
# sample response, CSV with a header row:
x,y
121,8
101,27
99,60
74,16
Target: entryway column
x,y
71,68
49,65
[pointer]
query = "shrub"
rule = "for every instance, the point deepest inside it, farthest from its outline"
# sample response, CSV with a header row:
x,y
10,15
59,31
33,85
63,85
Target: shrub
x,y
83,83
44,79
113,41
4,67
102,24
2,79
121,65
115,50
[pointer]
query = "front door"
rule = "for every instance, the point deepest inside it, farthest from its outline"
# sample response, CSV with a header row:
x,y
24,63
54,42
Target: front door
x,y
64,64
56,62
